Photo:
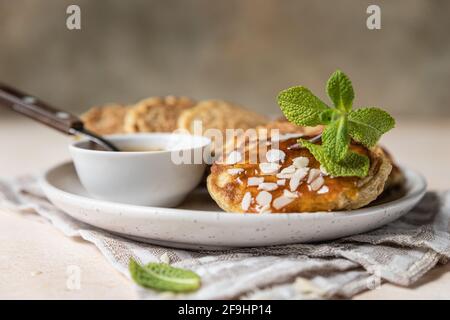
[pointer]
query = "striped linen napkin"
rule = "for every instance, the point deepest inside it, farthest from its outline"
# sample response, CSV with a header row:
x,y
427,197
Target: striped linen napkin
x,y
400,252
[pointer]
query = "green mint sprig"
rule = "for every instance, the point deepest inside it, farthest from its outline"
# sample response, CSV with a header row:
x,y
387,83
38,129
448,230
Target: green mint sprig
x,y
163,277
342,123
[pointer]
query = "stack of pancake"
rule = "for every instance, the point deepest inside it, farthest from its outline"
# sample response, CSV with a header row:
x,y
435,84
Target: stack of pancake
x,y
167,114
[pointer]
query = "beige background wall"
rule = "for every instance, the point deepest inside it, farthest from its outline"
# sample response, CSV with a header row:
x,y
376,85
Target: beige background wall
x,y
240,50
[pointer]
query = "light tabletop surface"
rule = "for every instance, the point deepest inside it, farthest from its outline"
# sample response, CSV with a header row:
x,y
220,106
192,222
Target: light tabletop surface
x,y
34,256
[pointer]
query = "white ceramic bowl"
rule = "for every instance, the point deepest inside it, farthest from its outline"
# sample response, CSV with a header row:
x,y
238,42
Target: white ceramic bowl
x,y
144,177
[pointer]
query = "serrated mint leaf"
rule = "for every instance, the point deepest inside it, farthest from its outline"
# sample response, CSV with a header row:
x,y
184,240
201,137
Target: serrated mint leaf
x,y
340,91
301,107
367,125
335,139
163,277
352,165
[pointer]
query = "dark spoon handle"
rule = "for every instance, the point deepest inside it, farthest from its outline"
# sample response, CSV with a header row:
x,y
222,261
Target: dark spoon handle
x,y
38,110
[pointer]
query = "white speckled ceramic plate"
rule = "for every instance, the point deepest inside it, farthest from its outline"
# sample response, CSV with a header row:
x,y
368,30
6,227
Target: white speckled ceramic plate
x,y
199,224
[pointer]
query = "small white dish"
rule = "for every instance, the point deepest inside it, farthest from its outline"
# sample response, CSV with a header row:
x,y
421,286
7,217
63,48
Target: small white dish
x,y
154,178
199,224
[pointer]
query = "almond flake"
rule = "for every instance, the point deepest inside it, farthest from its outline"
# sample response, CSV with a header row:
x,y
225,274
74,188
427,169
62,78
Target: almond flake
x,y
300,162
322,190
313,175
317,183
254,181
269,167
268,186
281,202
275,155
281,182
265,209
234,157
263,198
246,200
297,178
286,173
323,170
289,194
290,169
235,171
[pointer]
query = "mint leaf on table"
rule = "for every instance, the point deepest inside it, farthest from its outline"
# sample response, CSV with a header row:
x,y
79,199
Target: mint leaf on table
x,y
335,139
340,91
163,277
301,107
367,125
352,165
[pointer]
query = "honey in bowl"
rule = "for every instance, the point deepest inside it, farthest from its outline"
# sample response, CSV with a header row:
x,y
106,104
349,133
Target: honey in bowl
x,y
123,148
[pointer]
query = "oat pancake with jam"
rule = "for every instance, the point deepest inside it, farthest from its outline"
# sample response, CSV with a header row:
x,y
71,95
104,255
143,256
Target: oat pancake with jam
x,y
287,181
